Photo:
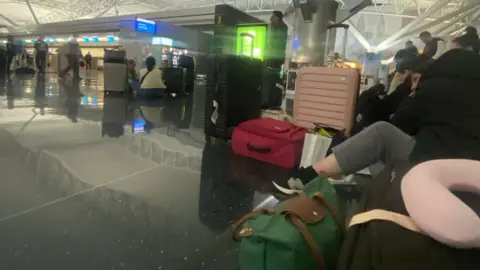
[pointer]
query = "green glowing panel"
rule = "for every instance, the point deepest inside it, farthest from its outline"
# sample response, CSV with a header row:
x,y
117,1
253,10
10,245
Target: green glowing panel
x,y
251,40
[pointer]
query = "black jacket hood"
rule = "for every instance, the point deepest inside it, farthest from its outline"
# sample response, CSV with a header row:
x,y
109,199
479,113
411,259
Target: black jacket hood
x,y
456,63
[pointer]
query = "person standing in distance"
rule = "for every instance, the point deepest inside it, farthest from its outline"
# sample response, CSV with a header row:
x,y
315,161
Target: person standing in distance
x,y
88,60
277,42
41,52
434,47
411,48
11,52
73,55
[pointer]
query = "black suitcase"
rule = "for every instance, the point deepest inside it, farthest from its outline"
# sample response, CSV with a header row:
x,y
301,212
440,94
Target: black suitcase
x,y
234,83
199,103
272,95
174,80
114,56
3,61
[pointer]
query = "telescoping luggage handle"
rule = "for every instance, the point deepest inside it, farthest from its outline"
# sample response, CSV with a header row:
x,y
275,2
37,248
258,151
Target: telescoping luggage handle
x,y
345,36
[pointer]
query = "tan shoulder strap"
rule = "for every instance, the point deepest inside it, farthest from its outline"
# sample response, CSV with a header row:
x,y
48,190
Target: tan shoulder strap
x,y
379,214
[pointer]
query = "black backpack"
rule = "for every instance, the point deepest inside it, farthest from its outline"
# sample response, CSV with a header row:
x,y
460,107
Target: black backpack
x,y
385,245
366,112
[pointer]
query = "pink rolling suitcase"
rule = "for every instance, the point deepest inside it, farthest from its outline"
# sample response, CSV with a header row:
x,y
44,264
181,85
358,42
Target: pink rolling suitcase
x,y
326,96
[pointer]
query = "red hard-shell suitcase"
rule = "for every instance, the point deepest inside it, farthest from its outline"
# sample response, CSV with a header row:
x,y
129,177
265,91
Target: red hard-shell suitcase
x,y
326,96
269,140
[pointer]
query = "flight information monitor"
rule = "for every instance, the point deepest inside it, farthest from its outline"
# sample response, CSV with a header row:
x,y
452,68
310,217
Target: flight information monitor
x,y
145,26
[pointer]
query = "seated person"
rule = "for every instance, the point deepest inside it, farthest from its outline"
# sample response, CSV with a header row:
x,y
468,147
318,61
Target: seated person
x,y
404,59
401,95
442,122
131,72
469,41
382,107
151,77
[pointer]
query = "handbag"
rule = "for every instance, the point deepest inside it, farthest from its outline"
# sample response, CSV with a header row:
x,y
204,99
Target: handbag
x,y
301,232
315,147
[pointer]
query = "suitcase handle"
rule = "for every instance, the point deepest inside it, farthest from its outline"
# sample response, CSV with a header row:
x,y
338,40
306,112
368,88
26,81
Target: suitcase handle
x,y
263,150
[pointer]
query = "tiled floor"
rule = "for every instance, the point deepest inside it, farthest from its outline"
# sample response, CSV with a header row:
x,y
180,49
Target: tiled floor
x,y
80,190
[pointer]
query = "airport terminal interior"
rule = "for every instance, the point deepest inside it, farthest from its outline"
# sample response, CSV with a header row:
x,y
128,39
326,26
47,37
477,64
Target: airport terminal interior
x,y
123,124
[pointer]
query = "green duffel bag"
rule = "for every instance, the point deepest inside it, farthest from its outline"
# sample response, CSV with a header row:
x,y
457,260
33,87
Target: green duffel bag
x,y
302,232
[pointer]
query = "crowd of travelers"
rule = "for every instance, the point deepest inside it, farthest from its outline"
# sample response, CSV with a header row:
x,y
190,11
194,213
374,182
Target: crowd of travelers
x,y
430,112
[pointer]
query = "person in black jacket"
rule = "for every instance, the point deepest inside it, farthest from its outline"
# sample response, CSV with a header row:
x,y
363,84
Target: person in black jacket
x,y
468,41
444,115
41,54
401,95
277,42
411,48
11,52
404,60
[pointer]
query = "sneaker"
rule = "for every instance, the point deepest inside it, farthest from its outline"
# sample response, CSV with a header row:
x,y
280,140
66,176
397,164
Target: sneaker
x,y
296,184
287,190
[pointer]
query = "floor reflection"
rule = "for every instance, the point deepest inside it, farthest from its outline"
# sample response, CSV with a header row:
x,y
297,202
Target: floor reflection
x,y
116,182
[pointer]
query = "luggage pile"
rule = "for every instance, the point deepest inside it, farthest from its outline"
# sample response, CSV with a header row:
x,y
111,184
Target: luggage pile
x,y
324,97
305,231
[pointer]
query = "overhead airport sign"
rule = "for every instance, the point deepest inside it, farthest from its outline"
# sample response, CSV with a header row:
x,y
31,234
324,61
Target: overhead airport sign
x,y
145,26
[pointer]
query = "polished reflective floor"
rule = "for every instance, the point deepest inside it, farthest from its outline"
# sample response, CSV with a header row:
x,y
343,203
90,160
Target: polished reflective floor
x,y
94,180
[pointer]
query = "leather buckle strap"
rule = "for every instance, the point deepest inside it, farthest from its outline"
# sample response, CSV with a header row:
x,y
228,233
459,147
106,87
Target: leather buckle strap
x,y
317,254
318,196
379,214
297,222
236,226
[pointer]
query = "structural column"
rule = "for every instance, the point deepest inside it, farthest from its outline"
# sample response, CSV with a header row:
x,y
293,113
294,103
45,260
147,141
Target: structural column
x,y
310,30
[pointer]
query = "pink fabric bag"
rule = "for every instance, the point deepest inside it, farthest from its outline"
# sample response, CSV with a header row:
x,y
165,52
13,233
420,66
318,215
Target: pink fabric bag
x,y
427,193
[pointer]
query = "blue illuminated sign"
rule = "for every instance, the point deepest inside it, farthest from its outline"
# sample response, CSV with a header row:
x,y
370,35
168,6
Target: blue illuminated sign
x,y
138,126
86,39
145,26
95,39
110,39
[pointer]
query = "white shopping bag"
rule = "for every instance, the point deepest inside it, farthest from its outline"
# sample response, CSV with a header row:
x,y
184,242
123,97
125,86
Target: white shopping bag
x,y
315,147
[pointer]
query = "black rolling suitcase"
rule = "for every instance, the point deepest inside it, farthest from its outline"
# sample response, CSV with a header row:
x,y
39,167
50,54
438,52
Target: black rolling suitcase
x,y
188,64
198,116
232,93
3,61
174,81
